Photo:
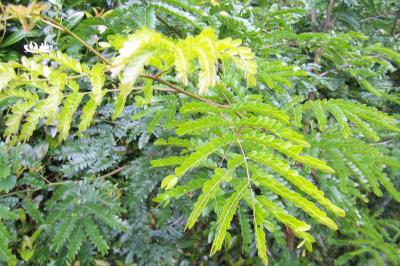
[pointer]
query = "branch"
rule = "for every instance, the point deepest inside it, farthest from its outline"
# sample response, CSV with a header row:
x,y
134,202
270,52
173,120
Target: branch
x,y
334,70
55,184
57,25
314,22
116,171
326,25
37,189
328,20
169,26
182,91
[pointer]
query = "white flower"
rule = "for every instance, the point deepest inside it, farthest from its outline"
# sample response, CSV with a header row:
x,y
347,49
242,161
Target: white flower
x,y
102,28
34,48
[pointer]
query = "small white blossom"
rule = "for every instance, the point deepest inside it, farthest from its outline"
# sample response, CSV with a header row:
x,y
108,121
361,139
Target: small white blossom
x,y
102,28
34,48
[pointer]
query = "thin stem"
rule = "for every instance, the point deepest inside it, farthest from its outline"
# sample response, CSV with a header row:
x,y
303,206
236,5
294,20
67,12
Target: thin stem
x,y
57,25
40,80
326,25
179,90
328,20
60,183
54,23
37,189
116,171
169,26
164,72
144,2
225,154
244,156
249,181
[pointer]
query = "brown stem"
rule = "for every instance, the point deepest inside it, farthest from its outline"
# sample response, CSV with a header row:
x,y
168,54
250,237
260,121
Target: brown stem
x,y
54,23
57,25
37,189
318,54
326,25
164,72
116,171
328,20
314,22
289,235
333,70
179,90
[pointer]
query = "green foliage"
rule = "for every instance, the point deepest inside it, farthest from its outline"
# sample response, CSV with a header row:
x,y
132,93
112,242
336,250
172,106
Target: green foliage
x,y
78,211
9,167
232,141
144,243
199,132
5,252
147,47
51,82
350,158
374,236
364,118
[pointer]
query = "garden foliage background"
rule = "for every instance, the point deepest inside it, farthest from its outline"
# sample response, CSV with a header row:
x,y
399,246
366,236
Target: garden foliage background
x,y
185,132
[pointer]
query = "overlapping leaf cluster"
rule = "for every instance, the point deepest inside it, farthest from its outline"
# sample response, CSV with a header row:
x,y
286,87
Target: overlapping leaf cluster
x,y
260,123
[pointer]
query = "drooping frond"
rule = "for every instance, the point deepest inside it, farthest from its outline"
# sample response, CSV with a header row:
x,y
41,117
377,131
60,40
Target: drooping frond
x,y
74,217
147,47
374,235
245,142
178,10
359,163
55,96
276,75
348,115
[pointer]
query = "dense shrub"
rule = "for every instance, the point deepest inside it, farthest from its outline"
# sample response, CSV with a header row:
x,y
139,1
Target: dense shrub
x,y
187,132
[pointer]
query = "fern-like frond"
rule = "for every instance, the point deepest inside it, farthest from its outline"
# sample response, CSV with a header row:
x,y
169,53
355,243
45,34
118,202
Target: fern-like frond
x,y
352,159
210,188
226,215
374,236
202,153
245,140
349,115
75,242
180,14
50,96
259,234
277,75
7,74
147,47
245,230
96,237
68,110
269,182
76,212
